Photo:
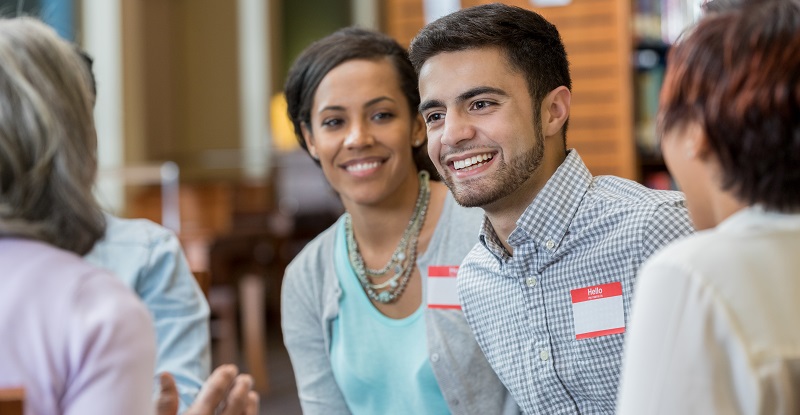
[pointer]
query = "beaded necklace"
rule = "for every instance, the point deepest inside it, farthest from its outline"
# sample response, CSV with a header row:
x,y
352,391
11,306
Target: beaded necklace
x,y
404,258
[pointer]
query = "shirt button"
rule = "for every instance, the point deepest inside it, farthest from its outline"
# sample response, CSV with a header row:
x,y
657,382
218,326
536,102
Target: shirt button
x,y
530,281
544,355
435,357
549,244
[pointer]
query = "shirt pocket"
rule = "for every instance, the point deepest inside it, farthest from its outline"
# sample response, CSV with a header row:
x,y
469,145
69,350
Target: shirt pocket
x,y
600,348
596,367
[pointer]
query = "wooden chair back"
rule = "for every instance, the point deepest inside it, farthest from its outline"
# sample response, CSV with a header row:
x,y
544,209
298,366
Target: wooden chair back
x,y
12,401
203,280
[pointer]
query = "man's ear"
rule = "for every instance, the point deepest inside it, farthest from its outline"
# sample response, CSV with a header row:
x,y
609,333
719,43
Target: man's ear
x,y
555,110
309,139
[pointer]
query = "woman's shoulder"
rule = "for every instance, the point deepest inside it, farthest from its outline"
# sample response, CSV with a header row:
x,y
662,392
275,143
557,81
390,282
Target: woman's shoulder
x,y
459,219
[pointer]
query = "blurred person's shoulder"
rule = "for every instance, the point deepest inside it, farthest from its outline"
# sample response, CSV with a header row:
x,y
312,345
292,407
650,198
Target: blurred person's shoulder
x,y
123,231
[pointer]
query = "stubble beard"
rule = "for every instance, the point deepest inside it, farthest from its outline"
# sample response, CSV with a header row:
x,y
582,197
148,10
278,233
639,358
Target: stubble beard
x,y
506,180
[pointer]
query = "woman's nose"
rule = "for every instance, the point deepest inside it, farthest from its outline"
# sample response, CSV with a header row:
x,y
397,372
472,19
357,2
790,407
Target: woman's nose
x,y
358,135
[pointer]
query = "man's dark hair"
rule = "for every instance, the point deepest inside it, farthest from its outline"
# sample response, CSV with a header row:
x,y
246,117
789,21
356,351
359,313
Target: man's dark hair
x,y
531,44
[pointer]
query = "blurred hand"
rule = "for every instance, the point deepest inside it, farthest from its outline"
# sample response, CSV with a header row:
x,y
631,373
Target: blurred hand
x,y
225,392
167,402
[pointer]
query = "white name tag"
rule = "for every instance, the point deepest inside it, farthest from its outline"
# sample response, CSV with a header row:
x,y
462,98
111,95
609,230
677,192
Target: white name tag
x,y
598,310
442,288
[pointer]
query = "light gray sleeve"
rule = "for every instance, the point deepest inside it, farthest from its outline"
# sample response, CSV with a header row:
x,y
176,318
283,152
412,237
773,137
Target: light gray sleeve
x,y
464,375
304,335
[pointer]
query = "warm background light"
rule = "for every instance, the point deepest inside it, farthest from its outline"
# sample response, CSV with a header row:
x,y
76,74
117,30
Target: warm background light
x,y
283,137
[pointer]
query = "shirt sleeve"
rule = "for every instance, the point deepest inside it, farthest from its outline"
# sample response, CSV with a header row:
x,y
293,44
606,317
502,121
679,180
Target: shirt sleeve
x,y
303,335
180,314
111,351
682,354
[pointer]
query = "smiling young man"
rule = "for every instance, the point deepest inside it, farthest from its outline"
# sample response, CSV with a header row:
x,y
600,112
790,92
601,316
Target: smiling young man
x,y
547,290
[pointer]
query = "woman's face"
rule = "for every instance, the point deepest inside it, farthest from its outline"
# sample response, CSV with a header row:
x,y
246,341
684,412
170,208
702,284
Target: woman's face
x,y
362,132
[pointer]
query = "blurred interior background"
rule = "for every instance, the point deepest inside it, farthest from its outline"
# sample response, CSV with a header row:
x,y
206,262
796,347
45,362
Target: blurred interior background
x,y
193,133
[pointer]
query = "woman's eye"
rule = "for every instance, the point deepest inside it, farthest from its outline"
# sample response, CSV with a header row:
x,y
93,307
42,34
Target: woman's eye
x,y
382,116
331,122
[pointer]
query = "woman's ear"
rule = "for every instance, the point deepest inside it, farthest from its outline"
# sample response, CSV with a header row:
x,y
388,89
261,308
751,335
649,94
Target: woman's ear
x,y
555,110
419,131
309,139
696,142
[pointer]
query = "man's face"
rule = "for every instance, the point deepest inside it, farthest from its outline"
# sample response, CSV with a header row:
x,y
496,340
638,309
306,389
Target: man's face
x,y
483,135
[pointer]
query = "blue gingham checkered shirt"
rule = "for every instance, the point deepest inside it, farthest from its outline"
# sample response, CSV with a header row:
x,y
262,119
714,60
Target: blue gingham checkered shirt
x,y
579,231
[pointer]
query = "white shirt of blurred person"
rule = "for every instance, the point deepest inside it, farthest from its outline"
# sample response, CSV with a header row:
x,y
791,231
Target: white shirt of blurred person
x,y
715,318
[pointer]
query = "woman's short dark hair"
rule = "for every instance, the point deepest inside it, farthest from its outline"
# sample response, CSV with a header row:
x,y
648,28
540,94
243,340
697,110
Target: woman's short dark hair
x,y
48,144
531,44
335,49
737,75
721,6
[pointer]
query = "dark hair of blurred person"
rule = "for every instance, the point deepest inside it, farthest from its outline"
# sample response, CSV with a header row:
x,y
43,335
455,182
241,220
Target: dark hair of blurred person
x,y
750,114
715,317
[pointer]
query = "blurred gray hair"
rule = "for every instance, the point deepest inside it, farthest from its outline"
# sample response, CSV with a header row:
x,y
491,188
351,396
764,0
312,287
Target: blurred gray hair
x,y
48,144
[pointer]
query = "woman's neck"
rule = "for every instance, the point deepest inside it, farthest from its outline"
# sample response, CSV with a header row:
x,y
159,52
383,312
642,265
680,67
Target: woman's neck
x,y
379,227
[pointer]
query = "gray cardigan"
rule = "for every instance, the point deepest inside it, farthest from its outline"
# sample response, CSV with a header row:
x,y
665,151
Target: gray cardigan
x,y
310,303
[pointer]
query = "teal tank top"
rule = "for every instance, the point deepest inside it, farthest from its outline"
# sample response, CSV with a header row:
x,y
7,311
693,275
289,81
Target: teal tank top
x,y
380,364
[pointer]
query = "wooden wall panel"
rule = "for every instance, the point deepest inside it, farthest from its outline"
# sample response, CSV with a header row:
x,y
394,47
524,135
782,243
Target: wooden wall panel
x,y
597,37
402,19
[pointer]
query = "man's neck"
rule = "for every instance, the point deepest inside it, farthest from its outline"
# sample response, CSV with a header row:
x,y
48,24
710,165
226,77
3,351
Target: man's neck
x,y
504,213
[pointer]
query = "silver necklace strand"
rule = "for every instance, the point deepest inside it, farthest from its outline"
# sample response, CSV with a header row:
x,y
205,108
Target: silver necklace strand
x,y
403,259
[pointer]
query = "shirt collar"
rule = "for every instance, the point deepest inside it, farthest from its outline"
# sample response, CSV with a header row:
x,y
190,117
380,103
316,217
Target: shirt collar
x,y
759,218
548,217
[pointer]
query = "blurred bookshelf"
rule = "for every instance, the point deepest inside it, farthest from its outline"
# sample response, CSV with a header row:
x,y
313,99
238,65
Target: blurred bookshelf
x,y
656,25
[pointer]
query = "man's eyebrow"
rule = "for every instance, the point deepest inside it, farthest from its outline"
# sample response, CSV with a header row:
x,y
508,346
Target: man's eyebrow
x,y
472,93
431,103
464,96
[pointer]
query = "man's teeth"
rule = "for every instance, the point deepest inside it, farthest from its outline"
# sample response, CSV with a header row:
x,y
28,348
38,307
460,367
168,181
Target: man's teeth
x,y
472,161
363,166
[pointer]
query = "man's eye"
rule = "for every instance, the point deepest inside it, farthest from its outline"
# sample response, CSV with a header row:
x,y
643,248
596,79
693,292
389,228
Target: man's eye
x,y
436,116
479,105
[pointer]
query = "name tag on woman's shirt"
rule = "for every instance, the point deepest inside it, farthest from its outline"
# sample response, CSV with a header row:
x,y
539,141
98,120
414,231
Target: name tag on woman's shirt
x,y
598,310
442,288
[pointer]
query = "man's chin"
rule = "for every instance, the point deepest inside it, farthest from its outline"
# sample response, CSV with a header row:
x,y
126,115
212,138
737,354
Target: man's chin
x,y
468,196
